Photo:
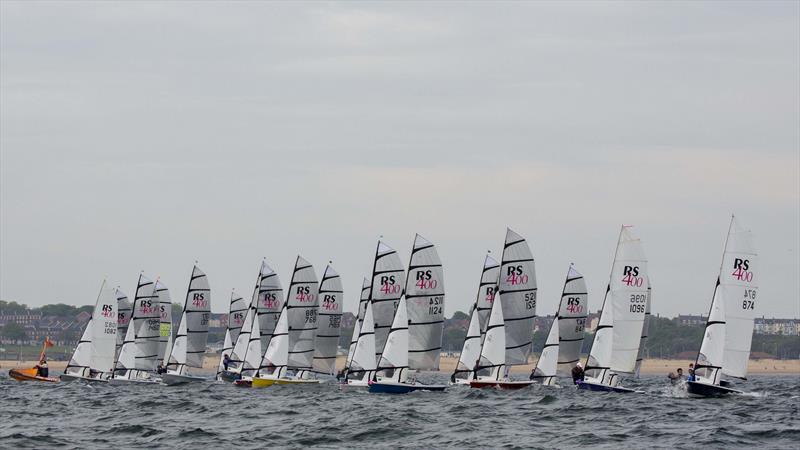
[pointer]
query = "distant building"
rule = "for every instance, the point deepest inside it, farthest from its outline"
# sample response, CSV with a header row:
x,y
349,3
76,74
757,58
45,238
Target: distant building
x,y
785,327
21,319
690,320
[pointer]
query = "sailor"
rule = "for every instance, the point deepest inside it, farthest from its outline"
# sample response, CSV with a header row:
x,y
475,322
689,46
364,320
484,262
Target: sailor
x,y
675,378
160,369
691,372
225,361
577,373
41,369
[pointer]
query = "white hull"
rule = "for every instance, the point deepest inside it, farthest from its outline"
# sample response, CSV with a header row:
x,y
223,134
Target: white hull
x,y
122,381
69,378
172,379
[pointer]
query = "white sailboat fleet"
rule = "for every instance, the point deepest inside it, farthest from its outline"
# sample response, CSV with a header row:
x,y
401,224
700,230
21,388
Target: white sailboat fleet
x,y
726,344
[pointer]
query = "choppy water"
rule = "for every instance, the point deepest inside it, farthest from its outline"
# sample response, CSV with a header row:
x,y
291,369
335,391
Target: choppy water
x,y
36,415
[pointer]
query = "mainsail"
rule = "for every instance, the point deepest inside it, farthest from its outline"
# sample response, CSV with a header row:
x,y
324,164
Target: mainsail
x,y
95,351
326,343
487,289
124,312
386,288
729,330
517,289
268,298
165,313
302,304
190,343
618,334
424,295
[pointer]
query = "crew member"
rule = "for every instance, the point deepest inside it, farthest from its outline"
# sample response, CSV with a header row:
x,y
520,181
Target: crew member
x,y
41,369
577,373
225,361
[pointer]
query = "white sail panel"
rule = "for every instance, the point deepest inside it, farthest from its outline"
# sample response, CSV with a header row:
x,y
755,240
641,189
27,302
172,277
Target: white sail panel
x,y
712,350
517,289
395,353
547,365
252,355
487,289
739,285
353,341
126,359
243,340
178,356
364,299
471,350
124,312
572,313
386,288
645,330
599,361
364,352
227,348
425,302
81,357
104,331
493,352
165,316
276,357
268,297
326,343
302,305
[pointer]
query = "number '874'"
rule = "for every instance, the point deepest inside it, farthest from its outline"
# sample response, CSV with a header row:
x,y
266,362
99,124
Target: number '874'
x,y
749,301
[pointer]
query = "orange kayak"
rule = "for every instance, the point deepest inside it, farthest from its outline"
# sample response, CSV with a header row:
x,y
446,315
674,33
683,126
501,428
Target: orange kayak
x,y
30,375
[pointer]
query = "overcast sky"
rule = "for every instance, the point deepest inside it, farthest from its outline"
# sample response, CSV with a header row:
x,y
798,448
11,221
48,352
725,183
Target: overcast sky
x,y
148,135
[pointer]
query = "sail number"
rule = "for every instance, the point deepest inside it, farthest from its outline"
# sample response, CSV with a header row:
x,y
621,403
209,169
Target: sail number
x,y
749,301
110,328
638,302
334,321
435,306
580,324
311,316
530,300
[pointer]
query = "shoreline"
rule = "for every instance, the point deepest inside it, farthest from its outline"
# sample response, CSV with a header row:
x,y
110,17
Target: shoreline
x,y
448,364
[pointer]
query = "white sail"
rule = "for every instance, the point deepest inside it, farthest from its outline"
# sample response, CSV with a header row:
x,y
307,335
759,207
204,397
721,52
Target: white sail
x,y
645,331
572,312
147,324
493,352
618,334
104,331
386,288
178,356
242,341
729,330
268,298
471,350
364,299
394,358
425,302
237,311
487,289
253,354
124,312
547,365
364,353
165,312
517,289
302,305
79,362
276,357
326,340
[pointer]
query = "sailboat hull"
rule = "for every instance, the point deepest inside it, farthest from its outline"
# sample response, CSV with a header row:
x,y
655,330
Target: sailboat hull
x,y
68,378
172,379
698,389
597,387
393,387
480,384
121,381
29,375
266,382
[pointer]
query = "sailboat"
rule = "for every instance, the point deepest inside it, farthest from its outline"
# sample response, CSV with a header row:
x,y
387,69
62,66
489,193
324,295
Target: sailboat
x,y
415,339
616,341
479,316
124,312
93,358
361,365
517,292
190,343
329,321
564,340
299,314
137,357
165,330
237,310
728,336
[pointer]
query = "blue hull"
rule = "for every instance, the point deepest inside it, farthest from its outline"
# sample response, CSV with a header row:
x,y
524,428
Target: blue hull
x,y
708,390
604,388
401,388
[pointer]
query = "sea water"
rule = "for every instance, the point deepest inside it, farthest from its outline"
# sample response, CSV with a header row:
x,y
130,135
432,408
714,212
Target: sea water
x,y
218,415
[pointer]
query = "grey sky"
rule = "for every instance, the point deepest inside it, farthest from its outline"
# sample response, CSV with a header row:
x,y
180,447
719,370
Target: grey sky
x,y
147,135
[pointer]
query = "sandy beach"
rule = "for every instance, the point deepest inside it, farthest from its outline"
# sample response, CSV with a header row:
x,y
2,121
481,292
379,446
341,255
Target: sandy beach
x,y
448,364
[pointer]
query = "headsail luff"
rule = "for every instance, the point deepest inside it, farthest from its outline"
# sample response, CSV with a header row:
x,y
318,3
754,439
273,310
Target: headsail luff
x,y
326,340
165,322
729,329
425,297
618,334
302,308
268,298
124,312
386,288
517,289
